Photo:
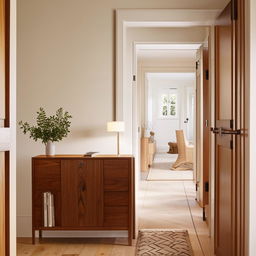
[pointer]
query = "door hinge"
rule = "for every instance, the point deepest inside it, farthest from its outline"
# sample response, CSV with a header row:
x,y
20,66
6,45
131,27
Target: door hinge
x,y
206,186
234,11
204,214
134,78
231,124
196,187
197,65
207,74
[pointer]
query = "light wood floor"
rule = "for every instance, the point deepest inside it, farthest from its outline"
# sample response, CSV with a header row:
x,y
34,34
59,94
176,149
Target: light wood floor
x,y
162,204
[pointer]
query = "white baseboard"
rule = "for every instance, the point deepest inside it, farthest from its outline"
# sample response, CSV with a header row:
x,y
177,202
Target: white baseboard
x,y
79,234
24,229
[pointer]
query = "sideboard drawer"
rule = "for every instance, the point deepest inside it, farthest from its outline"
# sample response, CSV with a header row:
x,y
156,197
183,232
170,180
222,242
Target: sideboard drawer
x,y
47,175
116,175
116,216
46,178
120,198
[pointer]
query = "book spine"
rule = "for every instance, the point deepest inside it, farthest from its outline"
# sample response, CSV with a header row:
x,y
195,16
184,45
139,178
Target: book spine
x,y
45,209
52,210
49,209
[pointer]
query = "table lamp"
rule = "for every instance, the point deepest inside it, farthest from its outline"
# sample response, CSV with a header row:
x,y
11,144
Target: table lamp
x,y
116,126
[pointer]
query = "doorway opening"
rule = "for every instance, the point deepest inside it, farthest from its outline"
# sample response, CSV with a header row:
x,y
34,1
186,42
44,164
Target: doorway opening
x,y
170,108
174,31
161,26
169,86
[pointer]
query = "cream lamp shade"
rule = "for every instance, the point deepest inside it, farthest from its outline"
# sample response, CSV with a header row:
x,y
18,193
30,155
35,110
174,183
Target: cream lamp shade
x,y
115,126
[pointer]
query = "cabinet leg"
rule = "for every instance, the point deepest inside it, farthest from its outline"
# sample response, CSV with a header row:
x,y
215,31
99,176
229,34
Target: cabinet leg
x,y
204,214
130,237
40,234
134,234
33,236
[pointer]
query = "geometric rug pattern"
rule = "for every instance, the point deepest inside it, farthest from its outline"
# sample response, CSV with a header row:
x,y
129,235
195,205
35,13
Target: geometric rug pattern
x,y
168,242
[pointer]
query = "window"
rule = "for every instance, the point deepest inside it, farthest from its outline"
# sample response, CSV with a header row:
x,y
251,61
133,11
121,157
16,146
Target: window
x,y
169,104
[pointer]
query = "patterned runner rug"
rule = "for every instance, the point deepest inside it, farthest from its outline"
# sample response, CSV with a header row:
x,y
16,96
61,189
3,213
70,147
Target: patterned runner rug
x,y
168,242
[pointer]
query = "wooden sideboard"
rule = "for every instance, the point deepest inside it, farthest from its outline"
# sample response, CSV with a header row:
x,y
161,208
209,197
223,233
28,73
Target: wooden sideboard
x,y
148,150
95,193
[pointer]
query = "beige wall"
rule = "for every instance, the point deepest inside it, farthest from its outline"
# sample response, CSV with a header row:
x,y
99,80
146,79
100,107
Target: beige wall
x,y
65,58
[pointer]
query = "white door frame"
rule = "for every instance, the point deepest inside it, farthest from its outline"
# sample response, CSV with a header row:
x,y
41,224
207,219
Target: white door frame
x,y
126,18
151,18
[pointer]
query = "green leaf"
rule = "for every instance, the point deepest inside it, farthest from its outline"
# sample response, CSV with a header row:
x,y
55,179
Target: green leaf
x,y
52,128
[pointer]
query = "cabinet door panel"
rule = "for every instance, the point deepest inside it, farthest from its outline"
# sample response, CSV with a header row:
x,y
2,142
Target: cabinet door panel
x,y
81,193
46,178
116,175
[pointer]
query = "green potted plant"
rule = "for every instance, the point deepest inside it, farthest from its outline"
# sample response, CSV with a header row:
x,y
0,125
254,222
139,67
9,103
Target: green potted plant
x,y
48,129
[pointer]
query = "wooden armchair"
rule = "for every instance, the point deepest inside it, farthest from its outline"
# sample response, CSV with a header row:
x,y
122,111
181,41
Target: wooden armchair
x,y
185,153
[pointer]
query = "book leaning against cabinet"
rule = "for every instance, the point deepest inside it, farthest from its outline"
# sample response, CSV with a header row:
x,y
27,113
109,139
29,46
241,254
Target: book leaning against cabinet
x,y
49,217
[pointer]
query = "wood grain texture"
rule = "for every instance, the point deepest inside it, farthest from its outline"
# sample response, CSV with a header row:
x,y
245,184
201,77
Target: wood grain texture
x,y
5,121
90,193
169,208
2,61
84,157
46,177
228,201
2,203
116,174
116,216
148,150
81,193
120,198
76,246
242,157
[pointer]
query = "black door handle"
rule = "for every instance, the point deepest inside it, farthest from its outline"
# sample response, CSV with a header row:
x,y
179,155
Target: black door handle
x,y
222,131
215,130
230,132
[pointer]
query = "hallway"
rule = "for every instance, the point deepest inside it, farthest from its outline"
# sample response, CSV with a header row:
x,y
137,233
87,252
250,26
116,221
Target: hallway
x,y
171,204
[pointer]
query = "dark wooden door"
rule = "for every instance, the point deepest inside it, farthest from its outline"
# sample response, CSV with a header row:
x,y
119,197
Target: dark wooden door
x,y
227,135
81,193
5,142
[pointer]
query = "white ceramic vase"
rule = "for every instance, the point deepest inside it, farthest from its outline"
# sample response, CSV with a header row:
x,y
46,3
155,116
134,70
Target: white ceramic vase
x,y
50,148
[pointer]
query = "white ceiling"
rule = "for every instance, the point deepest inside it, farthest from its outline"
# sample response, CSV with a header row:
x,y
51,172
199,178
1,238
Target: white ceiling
x,y
175,76
181,55
164,46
